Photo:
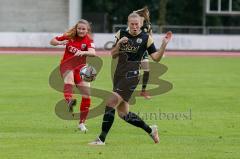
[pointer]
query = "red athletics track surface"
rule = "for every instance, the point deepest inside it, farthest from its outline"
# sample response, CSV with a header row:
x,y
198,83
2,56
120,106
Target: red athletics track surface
x,y
101,52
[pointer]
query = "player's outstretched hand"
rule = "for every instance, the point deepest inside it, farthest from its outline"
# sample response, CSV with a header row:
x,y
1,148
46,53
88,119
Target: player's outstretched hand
x,y
167,37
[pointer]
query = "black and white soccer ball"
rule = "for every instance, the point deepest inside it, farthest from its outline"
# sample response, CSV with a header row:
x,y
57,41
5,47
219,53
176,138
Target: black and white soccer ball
x,y
88,73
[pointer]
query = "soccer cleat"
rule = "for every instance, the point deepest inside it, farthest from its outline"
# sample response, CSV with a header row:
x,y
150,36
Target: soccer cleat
x,y
154,133
82,127
71,104
97,142
145,94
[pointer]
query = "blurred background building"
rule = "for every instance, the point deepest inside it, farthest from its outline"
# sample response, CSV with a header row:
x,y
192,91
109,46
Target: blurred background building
x,y
181,16
33,15
34,22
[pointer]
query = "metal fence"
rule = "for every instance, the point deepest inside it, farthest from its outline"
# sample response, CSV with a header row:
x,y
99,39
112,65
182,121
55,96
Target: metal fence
x,y
177,29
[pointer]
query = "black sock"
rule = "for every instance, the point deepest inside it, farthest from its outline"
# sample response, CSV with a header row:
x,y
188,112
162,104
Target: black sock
x,y
107,122
145,80
135,120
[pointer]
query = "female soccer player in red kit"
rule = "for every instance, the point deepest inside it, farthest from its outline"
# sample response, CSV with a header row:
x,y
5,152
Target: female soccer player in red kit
x,y
79,45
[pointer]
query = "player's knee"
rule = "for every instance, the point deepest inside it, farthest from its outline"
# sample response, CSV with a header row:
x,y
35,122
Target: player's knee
x,y
121,114
122,110
69,80
85,93
113,101
85,96
84,90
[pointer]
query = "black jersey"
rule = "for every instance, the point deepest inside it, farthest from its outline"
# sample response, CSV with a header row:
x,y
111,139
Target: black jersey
x,y
131,53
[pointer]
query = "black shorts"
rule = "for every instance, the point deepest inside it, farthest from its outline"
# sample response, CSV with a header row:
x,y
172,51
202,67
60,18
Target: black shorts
x,y
125,85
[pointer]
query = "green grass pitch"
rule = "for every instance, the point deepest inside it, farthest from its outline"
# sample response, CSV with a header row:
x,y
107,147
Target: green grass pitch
x,y
205,89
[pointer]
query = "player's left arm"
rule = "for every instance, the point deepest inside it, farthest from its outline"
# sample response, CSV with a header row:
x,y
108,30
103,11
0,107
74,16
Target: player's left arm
x,y
156,56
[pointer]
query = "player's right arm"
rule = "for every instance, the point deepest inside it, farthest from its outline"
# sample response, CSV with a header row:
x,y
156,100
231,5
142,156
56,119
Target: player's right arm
x,y
118,42
59,40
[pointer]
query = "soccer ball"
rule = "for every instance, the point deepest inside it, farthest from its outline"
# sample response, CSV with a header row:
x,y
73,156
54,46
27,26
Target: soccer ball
x,y
88,73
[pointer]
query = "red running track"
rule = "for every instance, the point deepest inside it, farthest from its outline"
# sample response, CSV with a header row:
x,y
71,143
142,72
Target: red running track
x,y
55,51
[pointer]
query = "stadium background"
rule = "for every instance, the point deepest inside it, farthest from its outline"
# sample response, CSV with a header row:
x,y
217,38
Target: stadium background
x,y
203,66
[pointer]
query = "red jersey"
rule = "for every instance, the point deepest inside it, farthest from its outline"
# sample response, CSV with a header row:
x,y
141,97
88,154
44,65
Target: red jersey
x,y
74,45
69,61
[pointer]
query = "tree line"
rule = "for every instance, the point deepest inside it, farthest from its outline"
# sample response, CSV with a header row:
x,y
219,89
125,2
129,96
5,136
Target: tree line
x,y
162,12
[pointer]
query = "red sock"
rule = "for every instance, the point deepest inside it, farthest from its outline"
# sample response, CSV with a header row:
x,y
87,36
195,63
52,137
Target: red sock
x,y
68,91
84,109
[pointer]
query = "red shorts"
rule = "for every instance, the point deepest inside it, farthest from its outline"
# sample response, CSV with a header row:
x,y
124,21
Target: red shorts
x,y
73,64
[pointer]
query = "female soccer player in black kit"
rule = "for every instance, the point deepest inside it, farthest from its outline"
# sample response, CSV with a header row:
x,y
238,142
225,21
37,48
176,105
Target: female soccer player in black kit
x,y
130,47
